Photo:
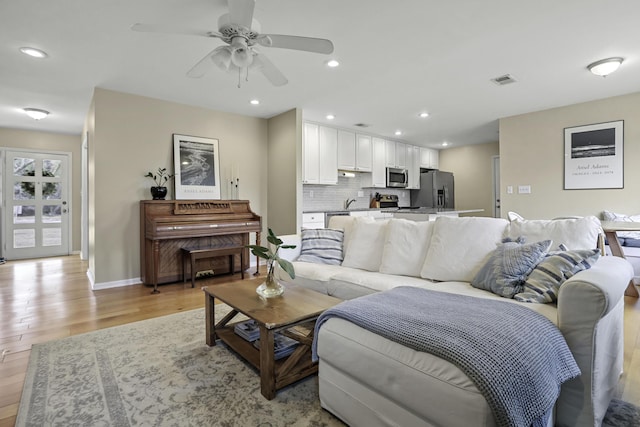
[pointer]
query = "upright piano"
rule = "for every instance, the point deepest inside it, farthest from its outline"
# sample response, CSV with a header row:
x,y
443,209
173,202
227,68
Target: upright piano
x,y
166,226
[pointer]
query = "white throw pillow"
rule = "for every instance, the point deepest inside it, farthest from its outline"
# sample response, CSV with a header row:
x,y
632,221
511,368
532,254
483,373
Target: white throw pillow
x,y
346,224
574,233
366,243
460,247
406,247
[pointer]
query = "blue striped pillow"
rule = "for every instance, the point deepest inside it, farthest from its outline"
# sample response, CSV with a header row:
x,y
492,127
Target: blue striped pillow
x,y
321,246
543,284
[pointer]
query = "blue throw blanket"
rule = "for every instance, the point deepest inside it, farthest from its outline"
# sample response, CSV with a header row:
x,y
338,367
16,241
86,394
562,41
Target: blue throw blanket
x,y
516,357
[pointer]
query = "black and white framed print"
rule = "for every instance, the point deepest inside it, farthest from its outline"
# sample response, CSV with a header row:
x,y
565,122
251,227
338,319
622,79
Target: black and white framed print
x,y
593,156
197,167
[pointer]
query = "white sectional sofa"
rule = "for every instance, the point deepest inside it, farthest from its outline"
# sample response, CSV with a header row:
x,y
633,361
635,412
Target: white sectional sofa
x,y
368,380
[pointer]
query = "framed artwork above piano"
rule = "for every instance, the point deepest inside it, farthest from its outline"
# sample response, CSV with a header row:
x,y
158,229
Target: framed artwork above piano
x,y
196,164
166,226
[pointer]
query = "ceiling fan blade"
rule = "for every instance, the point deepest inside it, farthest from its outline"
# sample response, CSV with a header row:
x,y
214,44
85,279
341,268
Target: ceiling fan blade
x,y
241,12
308,44
205,64
269,70
173,29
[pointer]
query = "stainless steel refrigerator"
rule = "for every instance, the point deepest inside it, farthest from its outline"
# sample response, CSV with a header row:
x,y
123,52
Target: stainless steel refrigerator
x,y
436,191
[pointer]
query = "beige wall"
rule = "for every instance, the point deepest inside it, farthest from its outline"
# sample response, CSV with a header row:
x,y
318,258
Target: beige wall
x,y
472,168
133,135
532,153
52,142
284,157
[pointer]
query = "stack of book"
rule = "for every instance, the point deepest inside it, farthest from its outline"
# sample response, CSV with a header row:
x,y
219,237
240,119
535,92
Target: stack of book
x,y
248,330
282,345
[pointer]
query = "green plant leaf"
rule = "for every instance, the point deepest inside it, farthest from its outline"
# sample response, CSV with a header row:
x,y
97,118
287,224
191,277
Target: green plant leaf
x,y
288,246
288,267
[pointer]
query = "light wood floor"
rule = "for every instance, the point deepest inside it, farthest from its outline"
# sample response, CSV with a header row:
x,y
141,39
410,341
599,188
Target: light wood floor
x,y
42,300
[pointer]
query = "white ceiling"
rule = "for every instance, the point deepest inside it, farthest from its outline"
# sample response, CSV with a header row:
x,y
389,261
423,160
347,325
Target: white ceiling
x,y
398,58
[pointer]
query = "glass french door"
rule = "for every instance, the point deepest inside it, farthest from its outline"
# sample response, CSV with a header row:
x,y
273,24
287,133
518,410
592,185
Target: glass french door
x,y
36,190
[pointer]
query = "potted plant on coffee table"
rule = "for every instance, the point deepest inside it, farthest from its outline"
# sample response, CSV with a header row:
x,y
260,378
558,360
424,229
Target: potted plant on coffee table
x,y
271,288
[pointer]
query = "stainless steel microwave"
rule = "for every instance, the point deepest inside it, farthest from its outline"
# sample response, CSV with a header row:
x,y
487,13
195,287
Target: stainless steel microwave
x,y
397,178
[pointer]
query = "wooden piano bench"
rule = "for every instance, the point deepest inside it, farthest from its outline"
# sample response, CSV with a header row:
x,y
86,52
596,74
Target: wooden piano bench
x,y
191,255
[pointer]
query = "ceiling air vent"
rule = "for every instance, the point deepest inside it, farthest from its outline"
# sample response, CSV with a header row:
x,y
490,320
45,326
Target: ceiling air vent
x,y
504,80
362,125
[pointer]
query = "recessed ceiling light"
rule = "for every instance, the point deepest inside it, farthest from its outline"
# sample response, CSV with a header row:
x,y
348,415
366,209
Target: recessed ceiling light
x,y
424,115
255,102
444,144
398,132
605,67
36,113
330,117
36,53
332,63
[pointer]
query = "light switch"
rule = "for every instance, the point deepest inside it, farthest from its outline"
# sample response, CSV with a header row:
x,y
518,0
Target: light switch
x,y
524,189
311,194
509,189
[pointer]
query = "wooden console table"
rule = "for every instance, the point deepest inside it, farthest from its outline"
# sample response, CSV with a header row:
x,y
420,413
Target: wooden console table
x,y
611,229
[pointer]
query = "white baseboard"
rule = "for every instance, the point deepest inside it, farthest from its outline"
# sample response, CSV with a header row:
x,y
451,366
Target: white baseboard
x,y
114,284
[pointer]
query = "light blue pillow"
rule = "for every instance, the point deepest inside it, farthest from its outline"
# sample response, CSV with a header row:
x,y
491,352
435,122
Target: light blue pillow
x,y
543,284
321,246
508,266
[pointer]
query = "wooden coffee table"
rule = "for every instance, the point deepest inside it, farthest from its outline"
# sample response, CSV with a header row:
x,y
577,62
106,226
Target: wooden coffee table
x,y
293,314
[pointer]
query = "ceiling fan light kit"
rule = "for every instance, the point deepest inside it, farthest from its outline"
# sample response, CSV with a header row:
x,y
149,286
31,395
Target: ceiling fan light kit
x,y
604,67
241,33
35,113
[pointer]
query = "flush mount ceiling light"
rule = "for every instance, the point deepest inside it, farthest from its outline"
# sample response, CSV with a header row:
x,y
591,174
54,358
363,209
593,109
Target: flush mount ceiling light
x,y
332,63
444,144
398,133
36,113
255,102
330,117
424,115
604,67
33,52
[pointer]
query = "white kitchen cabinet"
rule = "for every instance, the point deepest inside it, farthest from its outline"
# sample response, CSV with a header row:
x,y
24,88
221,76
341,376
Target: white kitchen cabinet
x,y
390,154
364,154
328,159
378,171
413,167
346,150
313,220
310,154
354,151
401,155
319,154
428,158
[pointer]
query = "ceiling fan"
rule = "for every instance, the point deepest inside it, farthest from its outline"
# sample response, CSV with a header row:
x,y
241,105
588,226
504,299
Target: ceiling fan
x,y
241,33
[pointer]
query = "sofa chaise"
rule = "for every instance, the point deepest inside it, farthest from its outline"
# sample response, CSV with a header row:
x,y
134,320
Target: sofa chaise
x,y
368,380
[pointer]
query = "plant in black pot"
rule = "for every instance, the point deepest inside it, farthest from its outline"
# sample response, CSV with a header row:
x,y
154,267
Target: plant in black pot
x,y
160,178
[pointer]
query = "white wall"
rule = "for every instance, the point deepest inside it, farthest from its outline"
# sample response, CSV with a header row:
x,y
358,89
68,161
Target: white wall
x,y
532,153
130,135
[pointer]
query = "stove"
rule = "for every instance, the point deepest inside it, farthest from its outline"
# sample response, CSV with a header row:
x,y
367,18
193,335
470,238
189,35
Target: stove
x,y
384,201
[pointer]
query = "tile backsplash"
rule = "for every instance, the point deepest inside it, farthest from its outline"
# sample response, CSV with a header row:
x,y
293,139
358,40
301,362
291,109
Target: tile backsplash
x,y
332,197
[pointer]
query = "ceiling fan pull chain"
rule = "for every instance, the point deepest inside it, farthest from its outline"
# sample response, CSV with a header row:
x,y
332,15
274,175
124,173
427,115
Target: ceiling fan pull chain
x,y
239,77
247,77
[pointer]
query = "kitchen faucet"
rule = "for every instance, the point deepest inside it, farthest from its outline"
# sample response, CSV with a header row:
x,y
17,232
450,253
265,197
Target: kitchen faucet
x,y
348,202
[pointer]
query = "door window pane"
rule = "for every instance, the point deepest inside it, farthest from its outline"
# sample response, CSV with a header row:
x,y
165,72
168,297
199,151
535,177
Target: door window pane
x,y
24,190
51,236
51,190
24,238
51,214
51,167
24,167
24,214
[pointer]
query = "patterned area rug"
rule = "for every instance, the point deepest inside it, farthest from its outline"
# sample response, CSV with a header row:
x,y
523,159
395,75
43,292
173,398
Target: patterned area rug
x,y
159,372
